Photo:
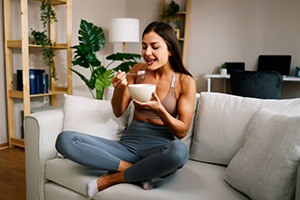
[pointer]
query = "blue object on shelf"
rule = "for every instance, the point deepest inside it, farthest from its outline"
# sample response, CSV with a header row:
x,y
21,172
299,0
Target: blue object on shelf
x,y
32,82
38,81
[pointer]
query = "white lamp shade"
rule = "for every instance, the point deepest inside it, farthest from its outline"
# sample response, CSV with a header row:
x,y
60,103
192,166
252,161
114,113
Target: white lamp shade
x,y
124,30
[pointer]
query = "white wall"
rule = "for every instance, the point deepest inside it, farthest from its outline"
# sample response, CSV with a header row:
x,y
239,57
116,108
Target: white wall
x,y
241,30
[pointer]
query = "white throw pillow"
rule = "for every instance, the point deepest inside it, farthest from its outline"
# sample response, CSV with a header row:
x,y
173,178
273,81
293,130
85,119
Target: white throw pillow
x,y
221,121
266,165
93,117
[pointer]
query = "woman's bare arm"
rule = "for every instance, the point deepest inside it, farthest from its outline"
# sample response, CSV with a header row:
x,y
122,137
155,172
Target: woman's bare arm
x,y
178,126
121,97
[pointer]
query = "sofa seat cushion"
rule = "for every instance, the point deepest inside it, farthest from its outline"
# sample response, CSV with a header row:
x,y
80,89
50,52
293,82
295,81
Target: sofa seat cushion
x,y
195,181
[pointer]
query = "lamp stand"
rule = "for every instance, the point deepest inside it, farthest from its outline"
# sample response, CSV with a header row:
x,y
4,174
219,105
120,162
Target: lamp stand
x,y
123,47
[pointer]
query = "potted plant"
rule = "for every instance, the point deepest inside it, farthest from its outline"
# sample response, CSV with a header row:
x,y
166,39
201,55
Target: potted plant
x,y
297,71
170,14
223,70
91,40
41,37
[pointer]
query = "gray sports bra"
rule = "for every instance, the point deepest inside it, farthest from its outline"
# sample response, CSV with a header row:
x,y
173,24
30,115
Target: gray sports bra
x,y
169,102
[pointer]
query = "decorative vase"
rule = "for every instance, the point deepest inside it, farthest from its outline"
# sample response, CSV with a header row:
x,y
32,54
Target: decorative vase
x,y
297,72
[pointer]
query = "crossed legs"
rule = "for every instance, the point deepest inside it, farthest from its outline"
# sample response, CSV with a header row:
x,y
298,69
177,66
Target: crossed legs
x,y
168,159
149,161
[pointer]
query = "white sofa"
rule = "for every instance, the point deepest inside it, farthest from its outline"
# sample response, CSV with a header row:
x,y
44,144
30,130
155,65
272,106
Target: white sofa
x,y
216,136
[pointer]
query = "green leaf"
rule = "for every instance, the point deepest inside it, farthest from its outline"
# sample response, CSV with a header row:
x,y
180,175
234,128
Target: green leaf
x,y
123,56
83,56
92,36
104,80
125,66
91,39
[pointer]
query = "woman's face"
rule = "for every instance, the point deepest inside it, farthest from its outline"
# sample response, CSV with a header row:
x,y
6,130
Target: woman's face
x,y
154,51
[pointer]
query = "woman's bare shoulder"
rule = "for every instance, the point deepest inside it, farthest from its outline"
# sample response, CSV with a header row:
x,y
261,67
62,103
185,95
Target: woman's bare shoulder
x,y
186,80
187,83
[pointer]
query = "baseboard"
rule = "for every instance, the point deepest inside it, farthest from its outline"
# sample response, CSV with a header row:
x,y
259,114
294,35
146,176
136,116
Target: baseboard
x,y
4,145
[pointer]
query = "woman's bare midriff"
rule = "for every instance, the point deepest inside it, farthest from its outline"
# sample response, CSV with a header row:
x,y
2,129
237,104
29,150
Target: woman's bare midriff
x,y
145,119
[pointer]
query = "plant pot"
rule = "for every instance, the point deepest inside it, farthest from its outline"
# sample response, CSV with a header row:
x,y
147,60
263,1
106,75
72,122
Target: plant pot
x,y
108,93
223,72
297,72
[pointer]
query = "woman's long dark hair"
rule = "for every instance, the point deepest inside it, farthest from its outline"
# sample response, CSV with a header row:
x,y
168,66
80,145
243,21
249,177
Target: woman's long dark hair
x,y
165,31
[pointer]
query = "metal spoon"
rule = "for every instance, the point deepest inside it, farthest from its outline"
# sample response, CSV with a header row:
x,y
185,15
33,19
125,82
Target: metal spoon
x,y
139,73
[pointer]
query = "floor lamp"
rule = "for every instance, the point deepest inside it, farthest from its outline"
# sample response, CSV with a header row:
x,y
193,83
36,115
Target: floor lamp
x,y
124,30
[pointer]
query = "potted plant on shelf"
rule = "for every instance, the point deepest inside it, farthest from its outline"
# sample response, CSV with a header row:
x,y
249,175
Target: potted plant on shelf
x,y
169,15
297,71
223,70
91,40
47,15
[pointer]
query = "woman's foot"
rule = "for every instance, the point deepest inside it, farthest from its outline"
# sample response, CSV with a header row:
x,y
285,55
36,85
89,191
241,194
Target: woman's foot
x,y
91,188
97,185
147,185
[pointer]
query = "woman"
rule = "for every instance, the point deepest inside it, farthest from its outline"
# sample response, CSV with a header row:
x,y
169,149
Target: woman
x,y
148,148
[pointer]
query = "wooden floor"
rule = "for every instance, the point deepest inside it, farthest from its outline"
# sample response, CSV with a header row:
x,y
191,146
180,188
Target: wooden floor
x,y
12,174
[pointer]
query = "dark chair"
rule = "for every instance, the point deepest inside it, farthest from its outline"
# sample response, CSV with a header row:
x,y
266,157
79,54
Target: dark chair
x,y
257,84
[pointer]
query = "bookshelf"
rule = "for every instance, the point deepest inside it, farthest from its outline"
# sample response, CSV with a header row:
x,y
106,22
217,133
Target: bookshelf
x,y
183,21
24,47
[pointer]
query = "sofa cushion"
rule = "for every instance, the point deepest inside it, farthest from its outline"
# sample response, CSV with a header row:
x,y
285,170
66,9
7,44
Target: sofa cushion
x,y
221,122
195,181
70,174
266,165
92,116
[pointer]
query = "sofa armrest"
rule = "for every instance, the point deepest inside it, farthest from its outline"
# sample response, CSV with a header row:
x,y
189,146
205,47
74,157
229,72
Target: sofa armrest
x,y
297,193
41,130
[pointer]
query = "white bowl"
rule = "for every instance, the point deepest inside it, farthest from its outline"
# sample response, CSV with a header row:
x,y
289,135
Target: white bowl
x,y
141,92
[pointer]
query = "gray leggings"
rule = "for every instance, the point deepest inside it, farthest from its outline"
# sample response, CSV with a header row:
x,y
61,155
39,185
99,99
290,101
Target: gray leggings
x,y
150,148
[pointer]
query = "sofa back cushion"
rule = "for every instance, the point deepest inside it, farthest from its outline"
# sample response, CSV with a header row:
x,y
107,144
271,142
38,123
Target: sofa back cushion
x,y
93,117
221,121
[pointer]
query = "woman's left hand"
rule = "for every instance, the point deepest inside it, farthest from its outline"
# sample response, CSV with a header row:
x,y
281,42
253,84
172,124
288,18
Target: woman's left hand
x,y
154,104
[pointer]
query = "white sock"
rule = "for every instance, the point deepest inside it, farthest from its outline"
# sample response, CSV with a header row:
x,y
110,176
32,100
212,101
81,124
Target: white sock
x,y
148,185
91,188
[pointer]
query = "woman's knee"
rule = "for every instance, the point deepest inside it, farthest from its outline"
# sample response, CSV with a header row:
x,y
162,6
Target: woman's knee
x,y
177,152
63,141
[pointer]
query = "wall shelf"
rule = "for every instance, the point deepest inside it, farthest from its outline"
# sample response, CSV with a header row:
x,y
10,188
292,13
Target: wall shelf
x,y
18,44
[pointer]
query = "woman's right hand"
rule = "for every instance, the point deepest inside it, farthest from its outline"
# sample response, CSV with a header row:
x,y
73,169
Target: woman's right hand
x,y
119,81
